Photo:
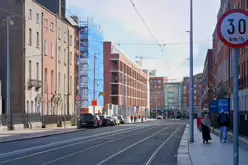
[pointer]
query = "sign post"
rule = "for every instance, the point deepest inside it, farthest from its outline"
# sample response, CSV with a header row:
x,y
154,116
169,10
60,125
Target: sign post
x,y
233,31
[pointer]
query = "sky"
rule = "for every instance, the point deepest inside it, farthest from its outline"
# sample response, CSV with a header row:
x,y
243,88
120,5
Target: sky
x,y
168,21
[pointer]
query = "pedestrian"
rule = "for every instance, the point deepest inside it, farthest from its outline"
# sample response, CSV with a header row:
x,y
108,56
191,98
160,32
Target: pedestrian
x,y
223,121
205,129
131,119
135,118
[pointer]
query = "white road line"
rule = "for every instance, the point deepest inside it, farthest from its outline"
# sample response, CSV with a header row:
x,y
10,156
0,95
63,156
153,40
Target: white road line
x,y
65,141
75,153
134,144
19,151
149,161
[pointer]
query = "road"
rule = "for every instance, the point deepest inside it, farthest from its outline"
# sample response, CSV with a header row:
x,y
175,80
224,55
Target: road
x,y
151,143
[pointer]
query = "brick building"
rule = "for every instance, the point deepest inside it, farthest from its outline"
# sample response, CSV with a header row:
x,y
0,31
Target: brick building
x,y
124,81
186,92
207,88
157,93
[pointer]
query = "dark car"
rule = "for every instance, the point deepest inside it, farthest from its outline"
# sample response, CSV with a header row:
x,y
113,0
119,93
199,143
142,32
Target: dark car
x,y
112,121
87,120
105,121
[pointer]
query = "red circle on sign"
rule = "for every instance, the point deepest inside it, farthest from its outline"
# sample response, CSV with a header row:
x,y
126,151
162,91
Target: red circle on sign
x,y
78,98
219,28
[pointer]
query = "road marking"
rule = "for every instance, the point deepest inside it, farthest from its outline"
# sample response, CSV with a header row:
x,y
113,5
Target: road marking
x,y
149,161
126,148
75,153
68,141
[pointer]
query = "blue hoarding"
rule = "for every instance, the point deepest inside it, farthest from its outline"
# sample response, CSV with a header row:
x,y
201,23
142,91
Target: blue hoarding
x,y
224,104
213,107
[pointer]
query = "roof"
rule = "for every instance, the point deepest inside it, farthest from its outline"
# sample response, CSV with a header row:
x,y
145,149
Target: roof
x,y
71,21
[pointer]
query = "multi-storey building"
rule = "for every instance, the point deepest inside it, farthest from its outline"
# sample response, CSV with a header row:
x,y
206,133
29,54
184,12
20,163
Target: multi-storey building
x,y
186,92
207,87
157,94
42,55
172,96
125,83
49,62
91,67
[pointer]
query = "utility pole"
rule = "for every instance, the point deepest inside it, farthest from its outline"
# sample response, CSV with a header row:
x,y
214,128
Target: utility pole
x,y
94,95
156,107
191,76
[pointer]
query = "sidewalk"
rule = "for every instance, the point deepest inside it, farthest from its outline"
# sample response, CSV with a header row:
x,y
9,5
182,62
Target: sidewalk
x,y
215,152
17,135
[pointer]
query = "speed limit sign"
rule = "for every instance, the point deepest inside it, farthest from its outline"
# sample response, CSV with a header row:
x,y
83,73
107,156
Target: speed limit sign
x,y
232,28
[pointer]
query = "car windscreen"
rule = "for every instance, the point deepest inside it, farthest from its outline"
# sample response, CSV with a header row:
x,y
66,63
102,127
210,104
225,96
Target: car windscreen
x,y
86,117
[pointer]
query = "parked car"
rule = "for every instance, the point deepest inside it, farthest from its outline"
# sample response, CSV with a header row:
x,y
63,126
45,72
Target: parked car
x,y
99,121
87,120
112,121
160,117
117,121
121,118
105,121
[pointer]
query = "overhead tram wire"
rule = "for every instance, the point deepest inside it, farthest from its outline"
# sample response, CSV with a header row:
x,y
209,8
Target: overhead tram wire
x,y
160,46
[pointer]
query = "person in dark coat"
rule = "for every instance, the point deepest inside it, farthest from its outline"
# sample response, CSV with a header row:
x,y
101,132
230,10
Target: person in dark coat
x,y
205,129
224,122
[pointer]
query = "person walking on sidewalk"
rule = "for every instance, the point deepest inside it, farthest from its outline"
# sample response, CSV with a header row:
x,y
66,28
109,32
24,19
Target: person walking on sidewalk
x,y
223,121
205,129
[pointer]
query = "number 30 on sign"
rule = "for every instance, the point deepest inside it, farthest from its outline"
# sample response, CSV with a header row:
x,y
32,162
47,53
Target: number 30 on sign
x,y
232,28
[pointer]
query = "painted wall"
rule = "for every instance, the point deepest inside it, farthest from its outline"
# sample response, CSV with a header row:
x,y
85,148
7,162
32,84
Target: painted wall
x,y
33,54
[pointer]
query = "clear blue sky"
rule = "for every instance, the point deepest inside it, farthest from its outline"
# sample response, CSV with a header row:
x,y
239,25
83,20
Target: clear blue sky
x,y
167,19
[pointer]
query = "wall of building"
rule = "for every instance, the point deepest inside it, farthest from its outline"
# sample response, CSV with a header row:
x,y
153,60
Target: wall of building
x,y
157,92
50,61
123,77
33,55
172,99
62,65
17,56
71,63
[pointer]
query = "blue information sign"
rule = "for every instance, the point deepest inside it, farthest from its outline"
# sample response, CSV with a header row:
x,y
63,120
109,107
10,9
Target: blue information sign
x,y
213,106
224,104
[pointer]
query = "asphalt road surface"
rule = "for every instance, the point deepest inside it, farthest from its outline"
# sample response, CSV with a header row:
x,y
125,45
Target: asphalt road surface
x,y
151,143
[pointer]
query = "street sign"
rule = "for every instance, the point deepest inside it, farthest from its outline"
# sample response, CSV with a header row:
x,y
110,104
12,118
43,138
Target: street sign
x,y
232,28
78,97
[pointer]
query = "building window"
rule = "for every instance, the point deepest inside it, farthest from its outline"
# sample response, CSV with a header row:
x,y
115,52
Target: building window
x,y
32,106
30,36
70,58
46,84
59,34
159,87
71,85
52,82
46,23
37,39
155,87
64,84
46,47
27,106
30,69
65,56
30,14
59,52
159,81
37,18
64,37
52,46
52,26
59,82
71,40
37,70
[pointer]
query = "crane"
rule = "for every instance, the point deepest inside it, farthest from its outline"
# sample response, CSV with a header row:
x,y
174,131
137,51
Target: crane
x,y
141,59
